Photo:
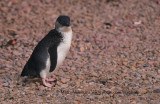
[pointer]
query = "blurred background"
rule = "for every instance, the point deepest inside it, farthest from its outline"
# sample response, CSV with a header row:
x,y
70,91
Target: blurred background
x,y
114,57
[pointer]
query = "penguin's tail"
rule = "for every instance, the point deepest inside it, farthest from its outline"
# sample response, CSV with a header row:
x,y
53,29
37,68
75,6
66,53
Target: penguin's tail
x,y
25,71
28,71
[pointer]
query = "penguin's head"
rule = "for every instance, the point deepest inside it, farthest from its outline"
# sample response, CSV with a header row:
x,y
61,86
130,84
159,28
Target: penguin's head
x,y
63,24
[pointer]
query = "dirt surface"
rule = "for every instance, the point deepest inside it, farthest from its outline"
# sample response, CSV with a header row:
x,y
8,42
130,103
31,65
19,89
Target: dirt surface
x,y
114,57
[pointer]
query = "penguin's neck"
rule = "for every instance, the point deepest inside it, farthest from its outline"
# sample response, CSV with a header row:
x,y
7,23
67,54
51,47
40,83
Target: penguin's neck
x,y
67,36
66,33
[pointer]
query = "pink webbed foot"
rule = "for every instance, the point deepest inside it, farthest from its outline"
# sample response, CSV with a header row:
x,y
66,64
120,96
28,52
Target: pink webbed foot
x,y
45,82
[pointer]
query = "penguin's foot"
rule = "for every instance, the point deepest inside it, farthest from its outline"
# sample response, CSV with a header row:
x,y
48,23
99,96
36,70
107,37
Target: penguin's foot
x,y
51,79
45,82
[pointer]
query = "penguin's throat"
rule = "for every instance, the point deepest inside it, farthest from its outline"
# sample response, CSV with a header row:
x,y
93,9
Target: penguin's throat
x,y
64,29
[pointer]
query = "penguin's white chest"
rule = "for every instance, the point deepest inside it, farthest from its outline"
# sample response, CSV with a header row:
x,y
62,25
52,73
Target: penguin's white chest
x,y
62,51
63,47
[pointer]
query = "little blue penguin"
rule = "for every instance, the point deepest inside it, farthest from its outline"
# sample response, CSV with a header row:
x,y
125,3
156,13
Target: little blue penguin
x,y
50,52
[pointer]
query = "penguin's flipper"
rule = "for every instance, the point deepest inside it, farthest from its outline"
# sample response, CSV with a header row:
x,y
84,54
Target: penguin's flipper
x,y
53,57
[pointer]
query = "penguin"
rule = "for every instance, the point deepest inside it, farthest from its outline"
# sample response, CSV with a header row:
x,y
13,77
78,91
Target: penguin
x,y
50,52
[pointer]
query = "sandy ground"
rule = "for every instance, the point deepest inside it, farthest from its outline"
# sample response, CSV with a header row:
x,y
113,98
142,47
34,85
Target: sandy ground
x,y
114,57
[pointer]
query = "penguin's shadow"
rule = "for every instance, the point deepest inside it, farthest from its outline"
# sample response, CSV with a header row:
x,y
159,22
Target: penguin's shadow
x,y
28,80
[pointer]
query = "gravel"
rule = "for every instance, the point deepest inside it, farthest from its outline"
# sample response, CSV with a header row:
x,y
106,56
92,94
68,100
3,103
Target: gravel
x,y
114,57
